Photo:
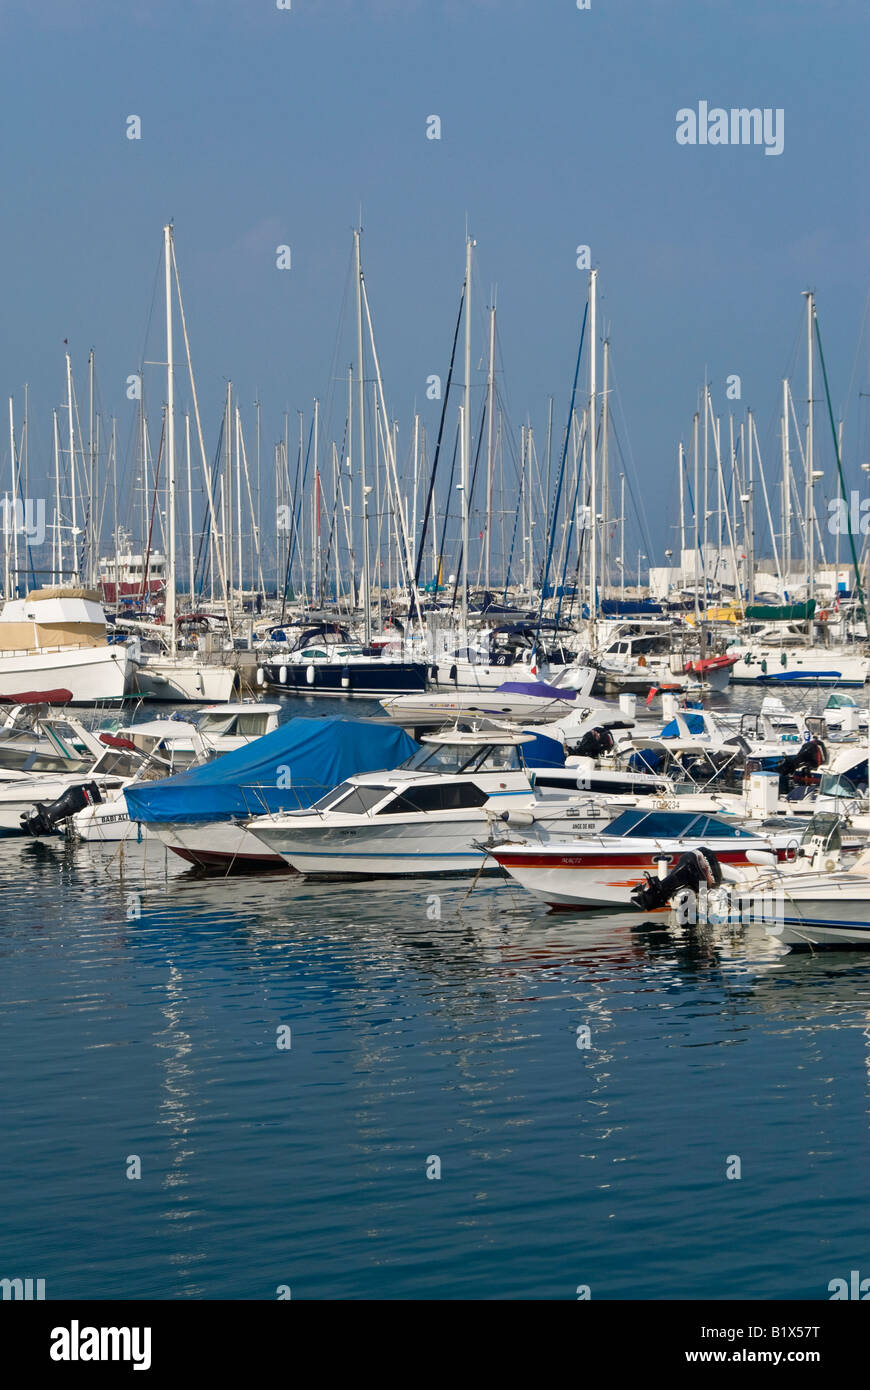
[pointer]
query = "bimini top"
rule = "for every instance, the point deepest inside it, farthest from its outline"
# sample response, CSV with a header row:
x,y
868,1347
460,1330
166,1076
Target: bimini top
x,y
283,771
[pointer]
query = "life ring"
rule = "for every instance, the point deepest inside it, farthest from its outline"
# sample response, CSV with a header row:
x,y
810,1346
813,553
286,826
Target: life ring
x,y
641,661
791,851
824,615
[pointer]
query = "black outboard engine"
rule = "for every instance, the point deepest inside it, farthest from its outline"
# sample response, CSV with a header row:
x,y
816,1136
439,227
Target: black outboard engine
x,y
46,818
802,766
696,867
594,743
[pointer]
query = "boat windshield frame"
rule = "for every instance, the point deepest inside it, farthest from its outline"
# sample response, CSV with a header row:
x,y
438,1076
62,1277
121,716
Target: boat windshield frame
x,y
477,759
651,824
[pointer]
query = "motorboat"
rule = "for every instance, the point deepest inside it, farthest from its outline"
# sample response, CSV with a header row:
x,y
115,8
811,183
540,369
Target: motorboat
x,y
203,815
425,817
529,701
54,645
600,870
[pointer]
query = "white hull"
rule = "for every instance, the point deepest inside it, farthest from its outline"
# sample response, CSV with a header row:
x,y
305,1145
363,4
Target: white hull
x,y
106,823
217,845
410,710
185,679
90,674
471,676
802,666
373,851
815,910
22,796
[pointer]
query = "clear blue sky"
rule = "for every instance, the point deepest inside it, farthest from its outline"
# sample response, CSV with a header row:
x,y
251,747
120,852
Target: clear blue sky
x,y
262,127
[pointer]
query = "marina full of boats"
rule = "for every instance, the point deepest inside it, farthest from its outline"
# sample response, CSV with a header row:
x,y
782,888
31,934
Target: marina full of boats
x,y
678,742
714,818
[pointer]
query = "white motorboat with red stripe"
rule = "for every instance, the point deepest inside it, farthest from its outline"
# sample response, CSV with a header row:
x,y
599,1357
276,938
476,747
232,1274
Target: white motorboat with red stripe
x,y
599,872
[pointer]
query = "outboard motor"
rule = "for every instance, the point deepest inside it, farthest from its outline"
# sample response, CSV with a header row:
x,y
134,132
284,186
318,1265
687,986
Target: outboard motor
x,y
801,766
594,743
696,867
46,818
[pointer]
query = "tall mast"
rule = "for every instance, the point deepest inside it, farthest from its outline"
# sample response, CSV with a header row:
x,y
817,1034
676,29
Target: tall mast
x,y
190,602
15,512
593,477
809,509
605,467
57,515
695,565
680,465
367,604
170,442
466,437
622,535
92,494
72,467
786,485
489,458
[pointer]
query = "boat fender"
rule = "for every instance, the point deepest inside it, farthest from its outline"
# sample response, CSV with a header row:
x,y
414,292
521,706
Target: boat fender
x,y
261,676
282,676
453,675
345,677
309,674
517,818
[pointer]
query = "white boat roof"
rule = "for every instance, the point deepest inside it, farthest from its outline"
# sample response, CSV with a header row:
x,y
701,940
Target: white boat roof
x,y
466,738
241,707
157,728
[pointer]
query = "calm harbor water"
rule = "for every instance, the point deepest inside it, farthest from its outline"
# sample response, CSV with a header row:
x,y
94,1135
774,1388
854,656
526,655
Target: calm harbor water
x,y
428,1027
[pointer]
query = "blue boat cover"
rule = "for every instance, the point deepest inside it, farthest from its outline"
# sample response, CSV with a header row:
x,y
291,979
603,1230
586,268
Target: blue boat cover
x,y
282,771
694,722
542,751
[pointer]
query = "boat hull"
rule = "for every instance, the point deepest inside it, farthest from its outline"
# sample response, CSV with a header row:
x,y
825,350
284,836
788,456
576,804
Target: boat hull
x,y
382,851
218,845
178,680
369,680
90,674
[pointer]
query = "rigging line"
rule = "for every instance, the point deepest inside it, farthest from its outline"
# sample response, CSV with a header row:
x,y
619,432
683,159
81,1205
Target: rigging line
x,y
551,537
429,495
839,466
470,495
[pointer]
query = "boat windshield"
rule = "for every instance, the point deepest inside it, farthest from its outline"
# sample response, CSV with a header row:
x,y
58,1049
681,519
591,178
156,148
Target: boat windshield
x,y
465,757
838,784
673,825
351,799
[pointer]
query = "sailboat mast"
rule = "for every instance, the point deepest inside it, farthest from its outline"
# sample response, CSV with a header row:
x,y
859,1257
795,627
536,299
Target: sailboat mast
x,y
785,487
72,466
490,411
466,438
367,604
170,443
592,431
809,509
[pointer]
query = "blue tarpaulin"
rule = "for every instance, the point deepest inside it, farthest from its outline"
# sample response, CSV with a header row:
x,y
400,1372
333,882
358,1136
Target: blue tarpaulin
x,y
542,751
282,771
694,723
